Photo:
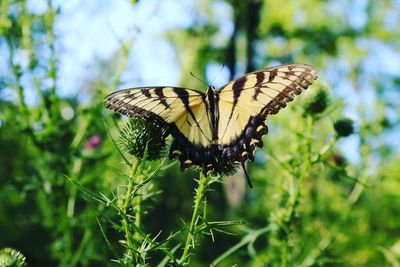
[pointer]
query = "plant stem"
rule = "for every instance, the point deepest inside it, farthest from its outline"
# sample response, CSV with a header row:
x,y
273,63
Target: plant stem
x,y
193,223
284,251
138,207
125,206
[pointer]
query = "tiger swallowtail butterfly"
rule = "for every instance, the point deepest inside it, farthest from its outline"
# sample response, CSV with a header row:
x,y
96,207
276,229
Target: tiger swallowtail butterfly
x,y
218,126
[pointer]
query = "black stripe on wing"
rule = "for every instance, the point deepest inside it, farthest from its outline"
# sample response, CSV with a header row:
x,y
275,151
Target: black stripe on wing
x,y
119,103
260,79
184,96
127,101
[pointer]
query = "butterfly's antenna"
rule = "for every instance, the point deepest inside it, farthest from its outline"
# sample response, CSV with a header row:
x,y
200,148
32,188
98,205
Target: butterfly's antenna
x,y
216,75
199,79
247,175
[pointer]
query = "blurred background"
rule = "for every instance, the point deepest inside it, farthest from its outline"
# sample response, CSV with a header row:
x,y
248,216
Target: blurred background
x,y
326,184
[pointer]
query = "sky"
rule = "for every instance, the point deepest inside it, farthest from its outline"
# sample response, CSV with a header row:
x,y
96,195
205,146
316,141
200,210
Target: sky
x,y
88,36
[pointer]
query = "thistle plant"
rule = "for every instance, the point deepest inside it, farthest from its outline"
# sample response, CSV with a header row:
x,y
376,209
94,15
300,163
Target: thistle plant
x,y
145,141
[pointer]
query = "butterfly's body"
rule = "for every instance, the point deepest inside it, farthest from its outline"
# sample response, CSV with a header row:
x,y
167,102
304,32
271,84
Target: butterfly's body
x,y
213,150
217,126
211,100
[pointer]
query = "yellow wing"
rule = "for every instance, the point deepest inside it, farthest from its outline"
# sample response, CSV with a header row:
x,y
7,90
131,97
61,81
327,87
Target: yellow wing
x,y
245,103
182,109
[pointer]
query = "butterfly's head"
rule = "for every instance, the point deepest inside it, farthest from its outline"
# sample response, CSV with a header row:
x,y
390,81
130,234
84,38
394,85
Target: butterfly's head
x,y
211,89
211,93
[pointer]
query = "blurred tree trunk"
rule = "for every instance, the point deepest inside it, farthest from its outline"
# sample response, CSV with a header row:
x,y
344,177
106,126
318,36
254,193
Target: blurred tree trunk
x,y
246,18
231,50
253,19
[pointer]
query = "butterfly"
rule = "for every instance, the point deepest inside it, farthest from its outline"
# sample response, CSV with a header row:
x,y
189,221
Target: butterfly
x,y
218,126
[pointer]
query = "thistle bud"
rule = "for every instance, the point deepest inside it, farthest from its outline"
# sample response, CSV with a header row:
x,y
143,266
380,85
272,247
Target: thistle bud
x,y
318,103
344,127
225,168
12,257
140,133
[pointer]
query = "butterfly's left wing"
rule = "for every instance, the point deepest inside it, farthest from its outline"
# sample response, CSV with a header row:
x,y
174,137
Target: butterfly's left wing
x,y
182,110
245,103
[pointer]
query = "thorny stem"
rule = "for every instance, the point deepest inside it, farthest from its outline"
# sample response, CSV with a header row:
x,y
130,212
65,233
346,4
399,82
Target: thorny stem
x,y
284,252
138,208
325,149
125,206
193,223
359,187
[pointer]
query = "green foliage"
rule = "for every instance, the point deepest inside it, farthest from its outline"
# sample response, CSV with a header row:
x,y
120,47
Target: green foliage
x,y
324,193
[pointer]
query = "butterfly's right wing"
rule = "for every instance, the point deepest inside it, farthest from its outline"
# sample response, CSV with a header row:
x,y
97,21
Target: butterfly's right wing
x,y
183,110
245,103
